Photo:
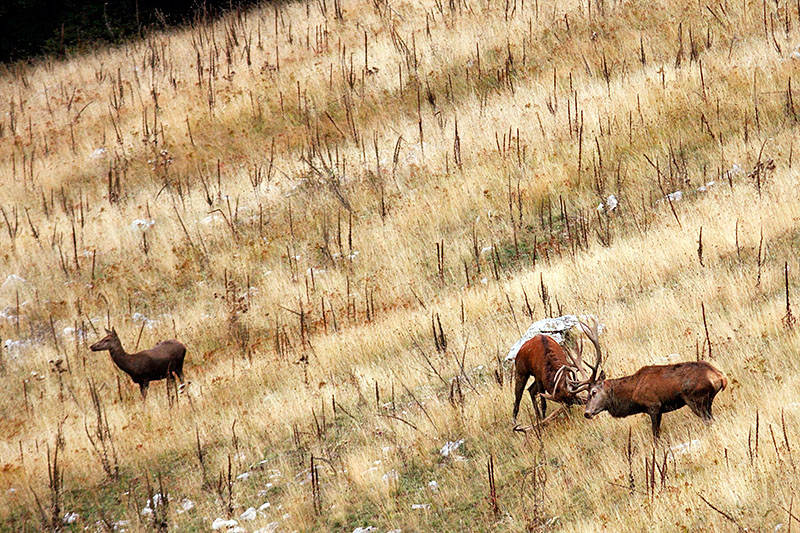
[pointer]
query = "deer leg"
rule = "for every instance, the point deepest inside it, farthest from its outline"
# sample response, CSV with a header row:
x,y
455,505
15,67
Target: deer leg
x,y
171,383
143,389
535,390
519,387
655,418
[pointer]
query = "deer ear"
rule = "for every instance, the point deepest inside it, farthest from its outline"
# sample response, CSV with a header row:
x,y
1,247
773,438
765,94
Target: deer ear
x,y
602,375
114,331
107,331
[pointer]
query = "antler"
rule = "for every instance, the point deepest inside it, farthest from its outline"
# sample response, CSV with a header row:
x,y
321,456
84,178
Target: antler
x,y
560,374
592,333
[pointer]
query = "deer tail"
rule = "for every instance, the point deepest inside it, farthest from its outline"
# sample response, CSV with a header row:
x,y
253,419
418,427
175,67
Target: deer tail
x,y
720,382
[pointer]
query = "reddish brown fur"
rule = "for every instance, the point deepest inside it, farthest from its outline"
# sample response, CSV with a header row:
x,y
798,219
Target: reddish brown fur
x,y
541,357
159,362
658,389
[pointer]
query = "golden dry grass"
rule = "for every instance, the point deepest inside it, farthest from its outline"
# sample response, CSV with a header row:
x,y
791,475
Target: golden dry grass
x,y
361,174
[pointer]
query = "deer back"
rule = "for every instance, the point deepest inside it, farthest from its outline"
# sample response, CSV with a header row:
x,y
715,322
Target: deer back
x,y
155,363
541,357
668,384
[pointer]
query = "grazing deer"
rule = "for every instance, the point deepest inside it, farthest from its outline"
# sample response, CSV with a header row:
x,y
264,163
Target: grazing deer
x,y
159,362
553,370
656,390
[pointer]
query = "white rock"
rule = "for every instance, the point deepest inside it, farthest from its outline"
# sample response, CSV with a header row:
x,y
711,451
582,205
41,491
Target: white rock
x,y
433,486
237,529
421,506
552,327
16,346
12,280
249,514
210,219
142,224
612,202
675,196
152,504
244,476
70,518
139,317
686,447
450,446
98,153
366,529
221,523
186,505
264,506
667,359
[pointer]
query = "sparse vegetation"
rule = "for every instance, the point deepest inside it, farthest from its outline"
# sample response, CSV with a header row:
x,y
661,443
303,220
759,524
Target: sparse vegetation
x,y
347,211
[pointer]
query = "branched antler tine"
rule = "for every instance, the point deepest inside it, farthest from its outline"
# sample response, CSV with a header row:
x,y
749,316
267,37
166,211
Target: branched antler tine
x,y
593,335
563,373
576,360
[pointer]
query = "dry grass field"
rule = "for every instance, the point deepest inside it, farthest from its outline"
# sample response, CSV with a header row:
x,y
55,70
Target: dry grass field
x,y
349,211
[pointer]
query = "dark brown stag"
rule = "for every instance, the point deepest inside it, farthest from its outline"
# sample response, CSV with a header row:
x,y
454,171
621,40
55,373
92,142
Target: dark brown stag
x,y
159,362
656,390
554,372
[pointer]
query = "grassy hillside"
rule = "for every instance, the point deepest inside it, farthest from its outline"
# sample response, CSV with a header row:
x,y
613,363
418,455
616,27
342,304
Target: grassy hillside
x,y
302,193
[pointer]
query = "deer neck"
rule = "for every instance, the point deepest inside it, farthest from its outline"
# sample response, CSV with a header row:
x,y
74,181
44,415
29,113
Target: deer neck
x,y
120,357
620,404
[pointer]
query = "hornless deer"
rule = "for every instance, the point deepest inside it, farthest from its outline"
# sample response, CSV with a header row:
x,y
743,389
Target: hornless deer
x,y
656,390
159,362
553,370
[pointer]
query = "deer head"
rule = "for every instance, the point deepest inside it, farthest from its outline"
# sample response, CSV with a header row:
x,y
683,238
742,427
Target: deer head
x,y
598,398
106,343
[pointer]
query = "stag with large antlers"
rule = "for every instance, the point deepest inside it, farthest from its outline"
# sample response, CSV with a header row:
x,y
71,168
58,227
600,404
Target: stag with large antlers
x,y
555,372
162,361
654,390
658,389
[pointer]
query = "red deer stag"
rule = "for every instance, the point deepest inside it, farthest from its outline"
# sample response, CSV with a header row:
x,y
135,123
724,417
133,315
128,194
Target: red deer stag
x,y
656,390
553,370
159,362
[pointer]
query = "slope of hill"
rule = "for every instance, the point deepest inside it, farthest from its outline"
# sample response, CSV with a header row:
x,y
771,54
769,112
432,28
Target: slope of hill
x,y
348,212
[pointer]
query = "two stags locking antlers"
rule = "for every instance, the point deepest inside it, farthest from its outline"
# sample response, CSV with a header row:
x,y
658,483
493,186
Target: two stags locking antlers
x,y
653,390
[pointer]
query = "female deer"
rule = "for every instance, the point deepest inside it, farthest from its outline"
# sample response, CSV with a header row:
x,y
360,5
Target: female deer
x,y
159,362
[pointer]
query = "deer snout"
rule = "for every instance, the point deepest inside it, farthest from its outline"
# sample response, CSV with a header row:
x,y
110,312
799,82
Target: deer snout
x,y
587,414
